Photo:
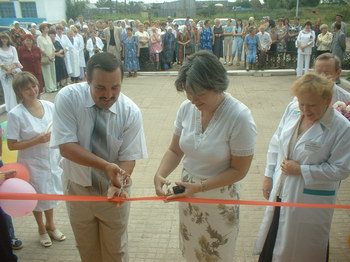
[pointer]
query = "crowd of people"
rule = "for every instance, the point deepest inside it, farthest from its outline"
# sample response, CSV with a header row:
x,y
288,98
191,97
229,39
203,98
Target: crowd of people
x,y
97,134
60,53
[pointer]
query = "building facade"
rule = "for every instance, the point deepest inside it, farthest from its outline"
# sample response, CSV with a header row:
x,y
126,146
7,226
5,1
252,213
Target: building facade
x,y
31,10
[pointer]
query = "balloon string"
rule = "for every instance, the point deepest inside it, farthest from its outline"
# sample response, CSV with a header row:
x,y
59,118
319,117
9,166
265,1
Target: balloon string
x,y
27,196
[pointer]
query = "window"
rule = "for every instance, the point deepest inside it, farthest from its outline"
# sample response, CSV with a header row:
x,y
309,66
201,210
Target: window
x,y
7,9
28,9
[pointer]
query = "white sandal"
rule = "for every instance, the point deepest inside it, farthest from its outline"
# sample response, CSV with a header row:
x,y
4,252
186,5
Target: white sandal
x,y
56,235
45,240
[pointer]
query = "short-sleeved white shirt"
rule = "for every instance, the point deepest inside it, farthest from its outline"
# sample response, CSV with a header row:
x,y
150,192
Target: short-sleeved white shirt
x,y
73,122
340,94
230,132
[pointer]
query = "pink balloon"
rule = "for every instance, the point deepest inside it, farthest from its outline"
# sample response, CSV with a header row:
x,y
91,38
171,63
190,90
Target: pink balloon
x,y
22,171
17,208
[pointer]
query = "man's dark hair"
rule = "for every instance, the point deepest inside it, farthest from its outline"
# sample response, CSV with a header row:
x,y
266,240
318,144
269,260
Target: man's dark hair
x,y
104,61
337,26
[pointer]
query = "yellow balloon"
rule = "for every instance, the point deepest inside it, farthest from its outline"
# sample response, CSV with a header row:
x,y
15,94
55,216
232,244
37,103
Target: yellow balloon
x,y
7,155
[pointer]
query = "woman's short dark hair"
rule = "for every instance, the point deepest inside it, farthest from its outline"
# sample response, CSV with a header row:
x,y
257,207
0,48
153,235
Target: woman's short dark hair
x,y
21,80
104,61
202,71
308,23
52,32
4,35
42,27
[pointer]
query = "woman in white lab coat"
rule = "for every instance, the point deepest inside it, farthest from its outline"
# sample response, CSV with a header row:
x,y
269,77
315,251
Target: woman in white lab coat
x,y
73,56
80,45
64,41
305,42
307,158
29,123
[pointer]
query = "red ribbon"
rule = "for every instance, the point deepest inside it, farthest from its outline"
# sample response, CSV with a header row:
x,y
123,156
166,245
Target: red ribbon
x,y
27,196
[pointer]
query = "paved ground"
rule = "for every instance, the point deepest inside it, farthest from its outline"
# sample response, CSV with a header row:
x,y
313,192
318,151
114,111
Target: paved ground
x,y
153,226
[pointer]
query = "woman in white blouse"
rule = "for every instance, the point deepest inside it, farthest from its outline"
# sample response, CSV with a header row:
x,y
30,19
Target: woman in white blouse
x,y
9,66
214,137
94,44
47,59
305,42
143,38
324,40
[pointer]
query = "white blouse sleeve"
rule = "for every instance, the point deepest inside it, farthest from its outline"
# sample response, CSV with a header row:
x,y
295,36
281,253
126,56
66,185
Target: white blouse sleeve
x,y
13,127
243,136
179,118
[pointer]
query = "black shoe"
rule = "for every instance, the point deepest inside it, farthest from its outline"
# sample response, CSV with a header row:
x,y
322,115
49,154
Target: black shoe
x,y
16,244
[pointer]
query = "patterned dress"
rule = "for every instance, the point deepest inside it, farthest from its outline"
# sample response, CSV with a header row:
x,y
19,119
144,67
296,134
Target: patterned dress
x,y
252,43
182,37
281,45
131,61
208,232
206,39
168,48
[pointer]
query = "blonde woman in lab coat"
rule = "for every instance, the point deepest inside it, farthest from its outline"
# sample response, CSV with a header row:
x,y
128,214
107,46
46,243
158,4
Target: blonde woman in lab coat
x,y
307,158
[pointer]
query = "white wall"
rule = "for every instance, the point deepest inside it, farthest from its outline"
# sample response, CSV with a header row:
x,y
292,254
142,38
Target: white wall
x,y
52,10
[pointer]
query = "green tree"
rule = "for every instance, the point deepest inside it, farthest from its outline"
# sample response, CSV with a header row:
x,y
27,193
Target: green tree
x,y
73,10
105,3
256,4
211,9
289,4
274,4
101,3
311,3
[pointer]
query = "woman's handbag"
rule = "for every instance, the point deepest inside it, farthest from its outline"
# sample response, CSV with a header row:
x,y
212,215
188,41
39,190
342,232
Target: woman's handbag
x,y
45,60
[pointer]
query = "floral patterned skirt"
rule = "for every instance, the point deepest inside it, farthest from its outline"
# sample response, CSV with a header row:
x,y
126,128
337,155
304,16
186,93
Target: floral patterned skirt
x,y
208,232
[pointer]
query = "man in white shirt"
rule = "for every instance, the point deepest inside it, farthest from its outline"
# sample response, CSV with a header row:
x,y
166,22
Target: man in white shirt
x,y
330,66
99,227
265,42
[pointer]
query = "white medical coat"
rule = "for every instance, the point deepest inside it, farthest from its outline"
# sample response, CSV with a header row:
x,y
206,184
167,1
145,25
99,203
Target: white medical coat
x,y
66,44
324,156
90,45
73,56
41,160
